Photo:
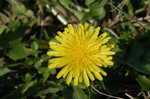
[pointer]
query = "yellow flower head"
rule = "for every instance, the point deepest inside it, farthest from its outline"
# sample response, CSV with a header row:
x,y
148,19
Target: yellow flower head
x,y
81,54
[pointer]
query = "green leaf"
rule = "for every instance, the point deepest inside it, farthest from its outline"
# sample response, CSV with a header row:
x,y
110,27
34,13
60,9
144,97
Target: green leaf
x,y
79,93
29,13
27,85
2,28
46,72
35,45
88,2
50,90
96,10
144,82
17,7
67,4
13,25
130,8
78,14
126,36
2,62
19,51
28,77
4,71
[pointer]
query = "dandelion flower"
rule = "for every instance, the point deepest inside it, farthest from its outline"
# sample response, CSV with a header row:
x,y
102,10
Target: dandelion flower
x,y
81,53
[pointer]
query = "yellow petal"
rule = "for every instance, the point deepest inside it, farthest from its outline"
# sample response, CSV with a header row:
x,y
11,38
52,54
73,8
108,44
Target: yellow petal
x,y
69,78
60,62
90,75
98,76
89,32
62,72
54,53
80,78
85,78
103,72
52,66
76,81
54,45
105,40
103,35
110,63
71,29
107,53
81,30
95,34
60,34
76,77
86,26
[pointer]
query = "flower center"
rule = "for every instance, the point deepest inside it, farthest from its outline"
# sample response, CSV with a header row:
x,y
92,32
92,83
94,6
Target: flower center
x,y
79,53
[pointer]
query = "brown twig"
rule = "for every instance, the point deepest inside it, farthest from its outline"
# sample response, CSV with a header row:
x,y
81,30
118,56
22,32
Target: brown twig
x,y
129,96
105,93
112,32
140,10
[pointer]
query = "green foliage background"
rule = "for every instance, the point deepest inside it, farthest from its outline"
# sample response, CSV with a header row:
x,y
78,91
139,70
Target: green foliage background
x,y
26,26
